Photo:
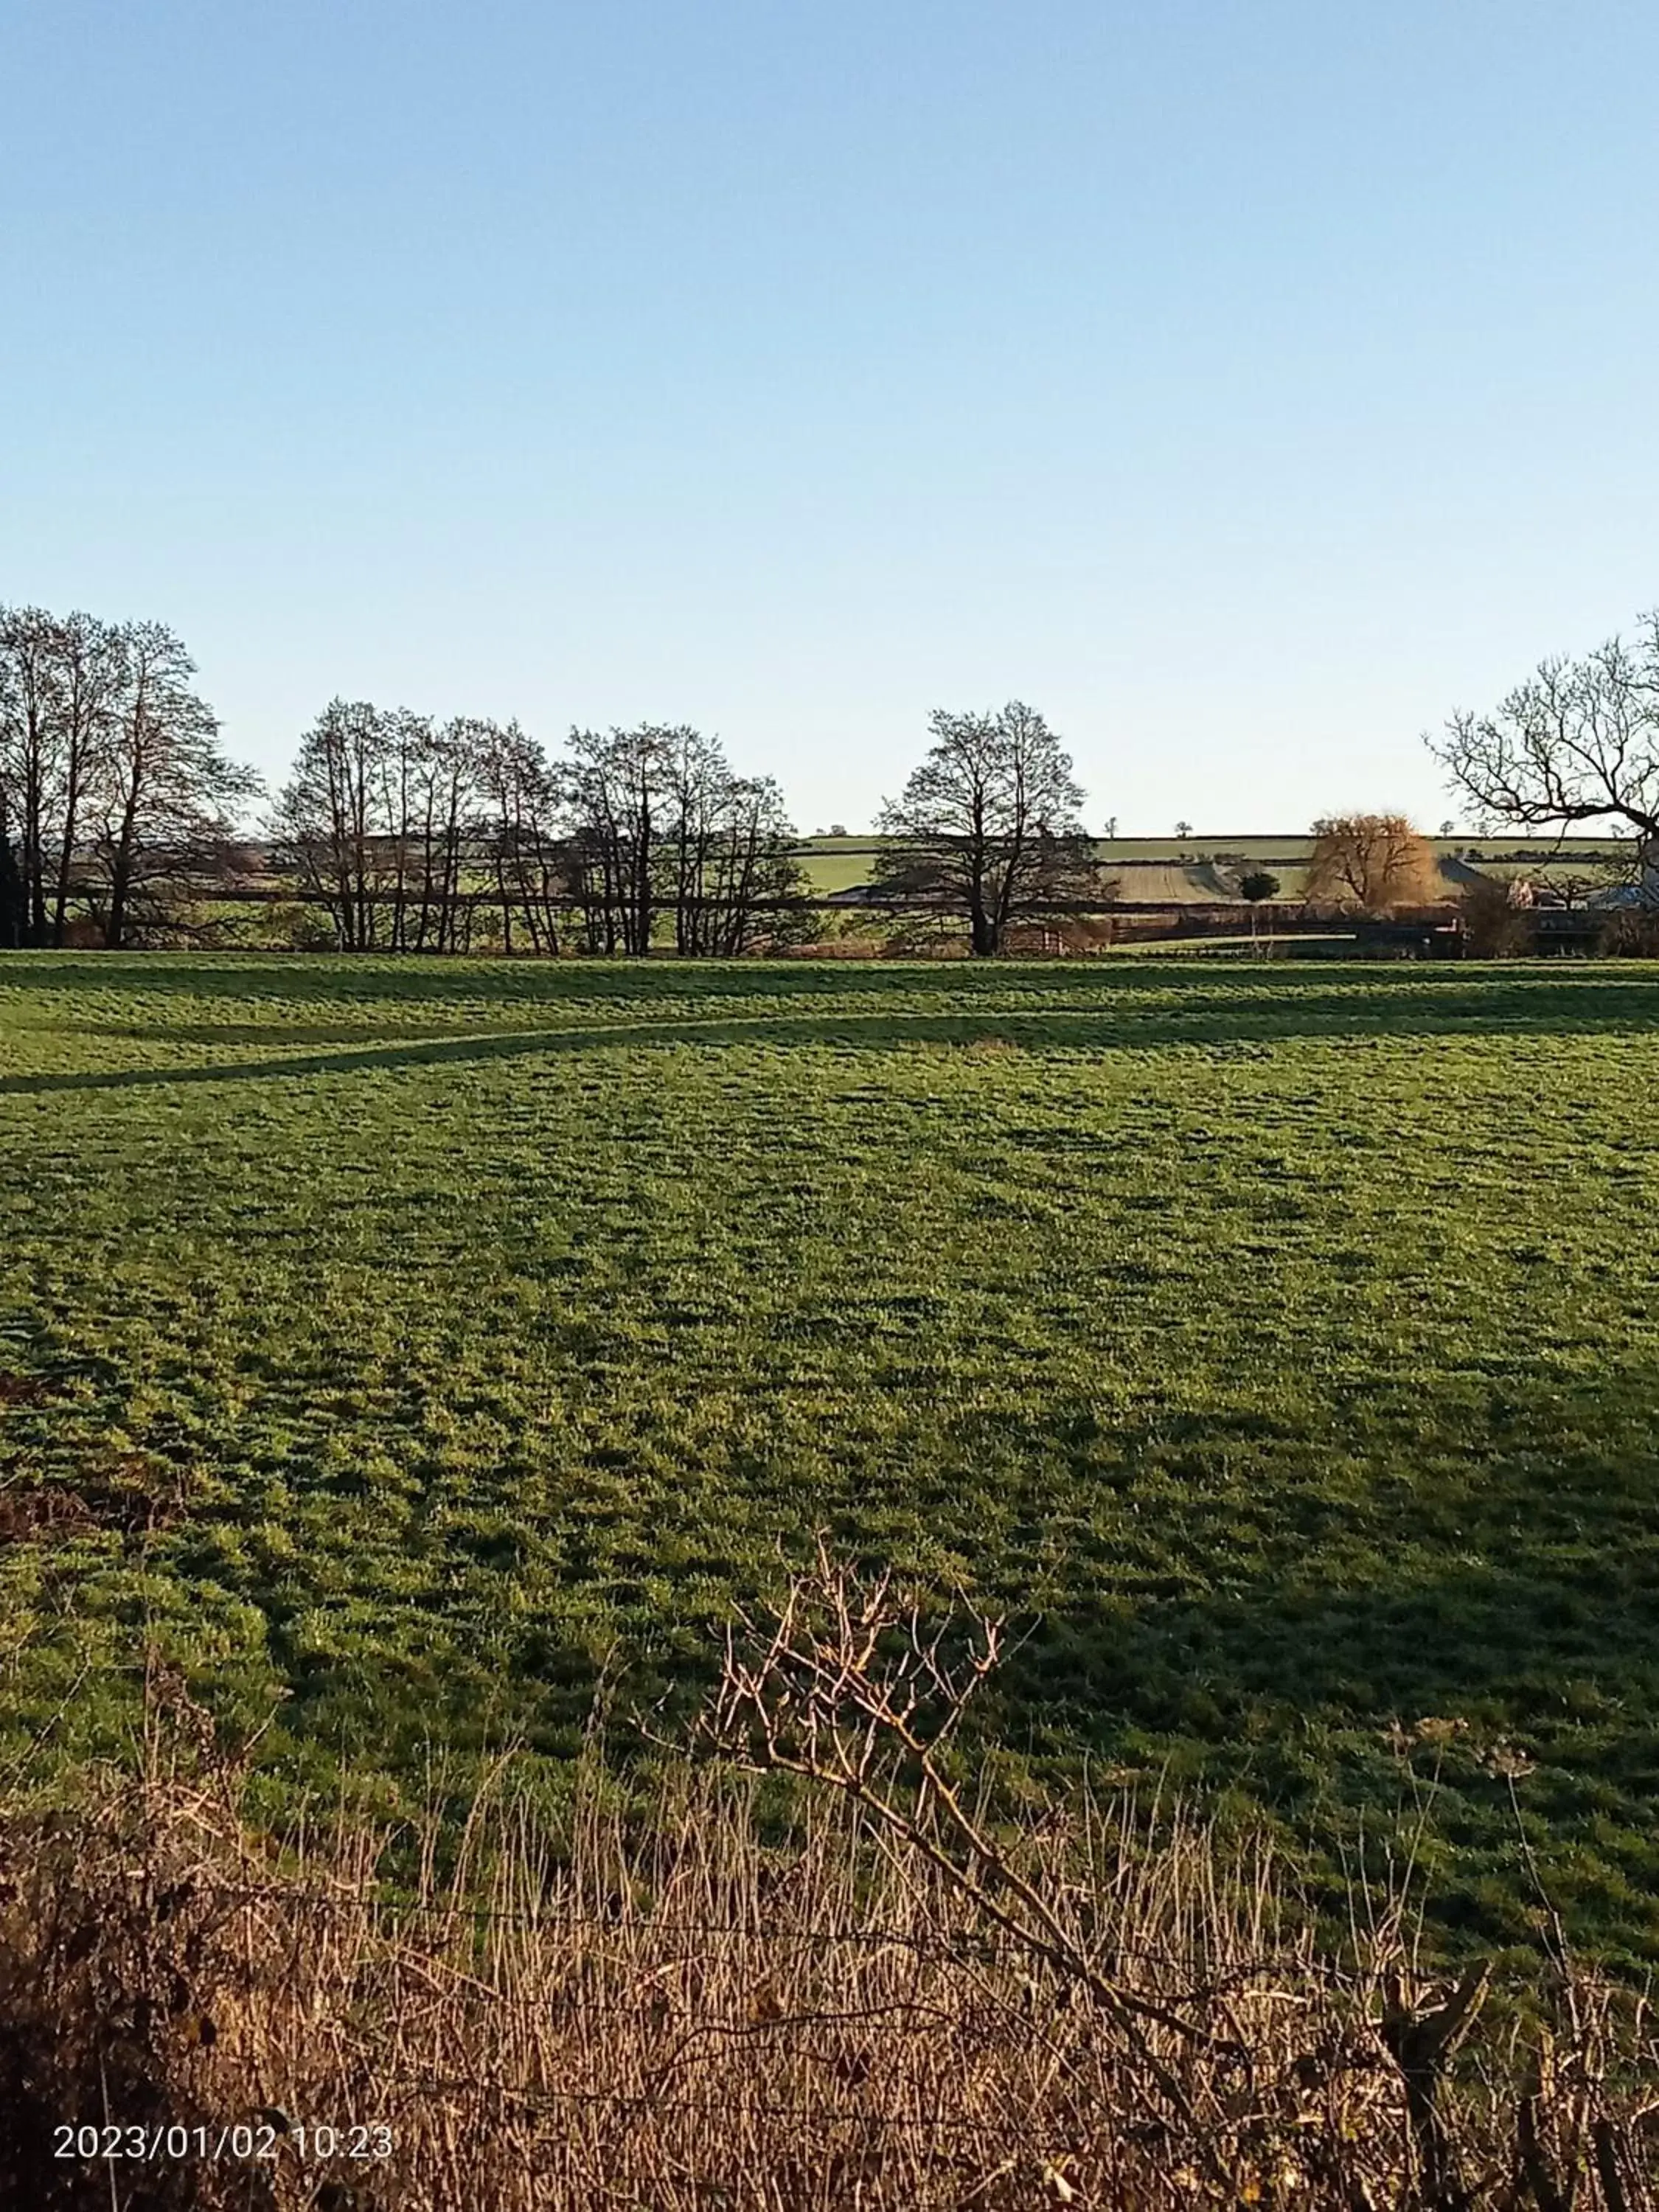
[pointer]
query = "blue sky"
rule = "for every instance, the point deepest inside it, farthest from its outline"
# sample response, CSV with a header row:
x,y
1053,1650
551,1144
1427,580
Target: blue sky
x,y
1245,383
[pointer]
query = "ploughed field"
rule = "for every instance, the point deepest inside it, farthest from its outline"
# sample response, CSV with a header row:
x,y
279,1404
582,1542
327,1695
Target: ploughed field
x,y
427,1341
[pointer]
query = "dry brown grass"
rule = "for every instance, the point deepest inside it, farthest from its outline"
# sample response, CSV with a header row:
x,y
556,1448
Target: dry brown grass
x,y
1106,2008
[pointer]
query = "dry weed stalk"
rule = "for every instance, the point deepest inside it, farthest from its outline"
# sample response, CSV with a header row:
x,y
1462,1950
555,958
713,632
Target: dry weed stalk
x,y
895,2009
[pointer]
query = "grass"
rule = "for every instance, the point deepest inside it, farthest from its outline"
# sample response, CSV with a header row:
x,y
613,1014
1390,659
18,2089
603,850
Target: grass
x,y
425,1340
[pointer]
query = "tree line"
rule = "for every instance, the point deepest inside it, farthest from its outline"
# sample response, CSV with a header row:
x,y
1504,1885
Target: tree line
x,y
405,830
115,792
123,820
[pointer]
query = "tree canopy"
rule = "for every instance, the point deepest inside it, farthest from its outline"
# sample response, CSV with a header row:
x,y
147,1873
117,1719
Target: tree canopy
x,y
988,826
1577,741
115,795
1371,864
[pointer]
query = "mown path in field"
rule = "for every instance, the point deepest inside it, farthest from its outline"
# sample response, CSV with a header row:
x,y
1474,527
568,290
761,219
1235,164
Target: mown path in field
x,y
421,1339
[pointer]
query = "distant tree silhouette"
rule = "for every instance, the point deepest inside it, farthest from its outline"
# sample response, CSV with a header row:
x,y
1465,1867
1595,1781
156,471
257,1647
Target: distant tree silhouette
x,y
524,824
987,826
164,811
1578,741
663,824
734,875
114,790
379,819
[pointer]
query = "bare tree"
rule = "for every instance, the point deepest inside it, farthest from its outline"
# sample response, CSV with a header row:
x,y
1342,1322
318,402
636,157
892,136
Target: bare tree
x,y
698,785
443,821
327,823
1371,863
622,797
755,894
57,675
168,799
113,792
987,826
91,660
1578,741
90,655
402,745
522,814
28,720
663,824
734,875
383,814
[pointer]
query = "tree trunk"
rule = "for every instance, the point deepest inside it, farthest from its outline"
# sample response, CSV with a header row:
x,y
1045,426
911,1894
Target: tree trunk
x,y
120,882
34,866
14,911
73,793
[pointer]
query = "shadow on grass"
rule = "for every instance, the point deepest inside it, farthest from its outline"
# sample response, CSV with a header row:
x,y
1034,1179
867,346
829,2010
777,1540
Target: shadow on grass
x,y
1461,1627
1477,1645
1116,1020
393,978
1472,1650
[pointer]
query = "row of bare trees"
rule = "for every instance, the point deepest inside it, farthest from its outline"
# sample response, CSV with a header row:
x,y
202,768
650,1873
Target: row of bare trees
x,y
385,811
407,830
120,814
114,791
391,821
661,820
122,818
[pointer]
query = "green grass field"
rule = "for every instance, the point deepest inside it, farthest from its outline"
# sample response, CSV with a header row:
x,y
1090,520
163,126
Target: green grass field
x,y
420,1339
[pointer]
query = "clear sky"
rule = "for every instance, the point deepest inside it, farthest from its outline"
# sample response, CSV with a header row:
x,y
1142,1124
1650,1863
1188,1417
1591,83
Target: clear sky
x,y
1245,383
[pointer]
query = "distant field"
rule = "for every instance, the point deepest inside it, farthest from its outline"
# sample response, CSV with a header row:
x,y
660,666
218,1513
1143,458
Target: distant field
x,y
1181,871
415,1338
1164,871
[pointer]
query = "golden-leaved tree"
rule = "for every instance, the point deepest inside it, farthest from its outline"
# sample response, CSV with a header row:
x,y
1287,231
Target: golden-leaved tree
x,y
1371,864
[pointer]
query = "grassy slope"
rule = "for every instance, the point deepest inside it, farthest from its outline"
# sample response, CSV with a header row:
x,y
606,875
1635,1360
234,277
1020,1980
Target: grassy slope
x,y
1287,1338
